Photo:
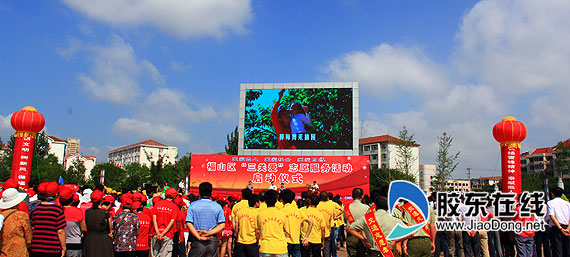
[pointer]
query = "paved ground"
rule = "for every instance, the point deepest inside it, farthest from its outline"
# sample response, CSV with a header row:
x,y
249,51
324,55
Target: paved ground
x,y
341,252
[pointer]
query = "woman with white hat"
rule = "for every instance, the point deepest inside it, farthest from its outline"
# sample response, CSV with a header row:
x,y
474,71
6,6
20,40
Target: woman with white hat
x,y
16,235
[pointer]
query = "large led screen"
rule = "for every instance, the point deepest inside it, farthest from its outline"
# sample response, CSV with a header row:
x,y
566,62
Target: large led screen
x,y
301,118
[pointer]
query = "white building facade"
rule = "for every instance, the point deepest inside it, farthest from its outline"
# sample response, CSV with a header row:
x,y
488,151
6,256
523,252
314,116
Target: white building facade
x,y
88,162
57,147
383,153
143,153
459,185
427,173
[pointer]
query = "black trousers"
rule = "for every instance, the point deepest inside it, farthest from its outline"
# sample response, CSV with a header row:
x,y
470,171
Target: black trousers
x,y
243,250
143,253
559,242
204,248
311,249
471,245
126,254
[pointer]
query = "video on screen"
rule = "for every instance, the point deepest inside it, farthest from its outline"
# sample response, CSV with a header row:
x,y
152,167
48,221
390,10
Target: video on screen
x,y
304,118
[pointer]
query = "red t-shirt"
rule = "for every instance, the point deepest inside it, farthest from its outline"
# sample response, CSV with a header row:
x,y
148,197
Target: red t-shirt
x,y
279,129
182,220
164,212
74,214
149,212
525,233
23,207
227,215
145,226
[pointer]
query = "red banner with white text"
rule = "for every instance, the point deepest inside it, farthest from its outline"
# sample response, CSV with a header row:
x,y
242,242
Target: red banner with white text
x,y
229,174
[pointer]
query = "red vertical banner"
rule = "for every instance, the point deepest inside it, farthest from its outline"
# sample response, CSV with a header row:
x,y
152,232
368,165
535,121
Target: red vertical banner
x,y
510,133
511,169
22,163
27,123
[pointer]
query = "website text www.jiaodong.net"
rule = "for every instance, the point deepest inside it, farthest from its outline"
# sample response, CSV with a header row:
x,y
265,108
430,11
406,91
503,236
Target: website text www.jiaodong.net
x,y
491,225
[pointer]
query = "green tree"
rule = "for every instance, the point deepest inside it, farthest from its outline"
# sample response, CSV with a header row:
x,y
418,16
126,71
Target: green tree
x,y
383,176
534,182
114,176
404,146
232,142
563,157
445,163
136,175
75,173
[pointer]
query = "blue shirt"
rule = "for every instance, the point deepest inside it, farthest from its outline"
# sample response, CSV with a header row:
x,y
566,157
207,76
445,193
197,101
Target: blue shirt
x,y
205,214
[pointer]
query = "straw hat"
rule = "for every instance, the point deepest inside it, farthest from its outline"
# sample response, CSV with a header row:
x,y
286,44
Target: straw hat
x,y
10,198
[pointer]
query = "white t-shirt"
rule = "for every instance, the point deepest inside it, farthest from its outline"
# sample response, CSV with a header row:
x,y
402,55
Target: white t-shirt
x,y
315,186
181,185
273,187
560,209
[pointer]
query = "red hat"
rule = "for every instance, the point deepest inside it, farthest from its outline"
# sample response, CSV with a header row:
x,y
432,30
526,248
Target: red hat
x,y
66,194
137,197
126,197
108,198
42,188
171,193
155,200
144,199
10,183
75,197
137,205
127,203
31,192
96,196
52,188
178,201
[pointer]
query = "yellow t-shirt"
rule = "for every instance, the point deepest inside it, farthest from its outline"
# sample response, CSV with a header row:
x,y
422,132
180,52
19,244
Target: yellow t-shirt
x,y
279,205
318,219
262,206
247,222
238,206
329,209
271,224
293,220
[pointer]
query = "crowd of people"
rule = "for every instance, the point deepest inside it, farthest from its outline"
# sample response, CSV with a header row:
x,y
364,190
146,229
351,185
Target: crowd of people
x,y
57,220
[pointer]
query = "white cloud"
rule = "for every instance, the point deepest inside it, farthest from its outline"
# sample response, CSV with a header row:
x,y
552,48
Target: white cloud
x,y
517,46
516,55
184,19
166,105
386,69
115,74
179,66
164,115
144,129
6,127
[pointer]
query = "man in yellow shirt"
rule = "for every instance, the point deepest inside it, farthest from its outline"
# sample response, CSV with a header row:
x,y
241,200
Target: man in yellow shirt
x,y
294,218
245,194
317,234
271,227
330,211
246,229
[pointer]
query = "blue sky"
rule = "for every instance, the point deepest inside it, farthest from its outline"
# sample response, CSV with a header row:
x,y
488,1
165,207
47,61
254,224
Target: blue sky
x,y
116,72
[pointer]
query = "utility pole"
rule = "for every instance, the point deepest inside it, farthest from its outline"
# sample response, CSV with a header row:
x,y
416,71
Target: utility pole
x,y
469,177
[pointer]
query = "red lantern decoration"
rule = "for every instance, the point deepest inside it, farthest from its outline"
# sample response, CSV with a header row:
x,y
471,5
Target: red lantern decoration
x,y
510,133
27,123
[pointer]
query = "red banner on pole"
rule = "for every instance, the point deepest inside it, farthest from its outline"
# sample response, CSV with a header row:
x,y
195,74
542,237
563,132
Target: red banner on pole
x,y
511,169
229,174
22,162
